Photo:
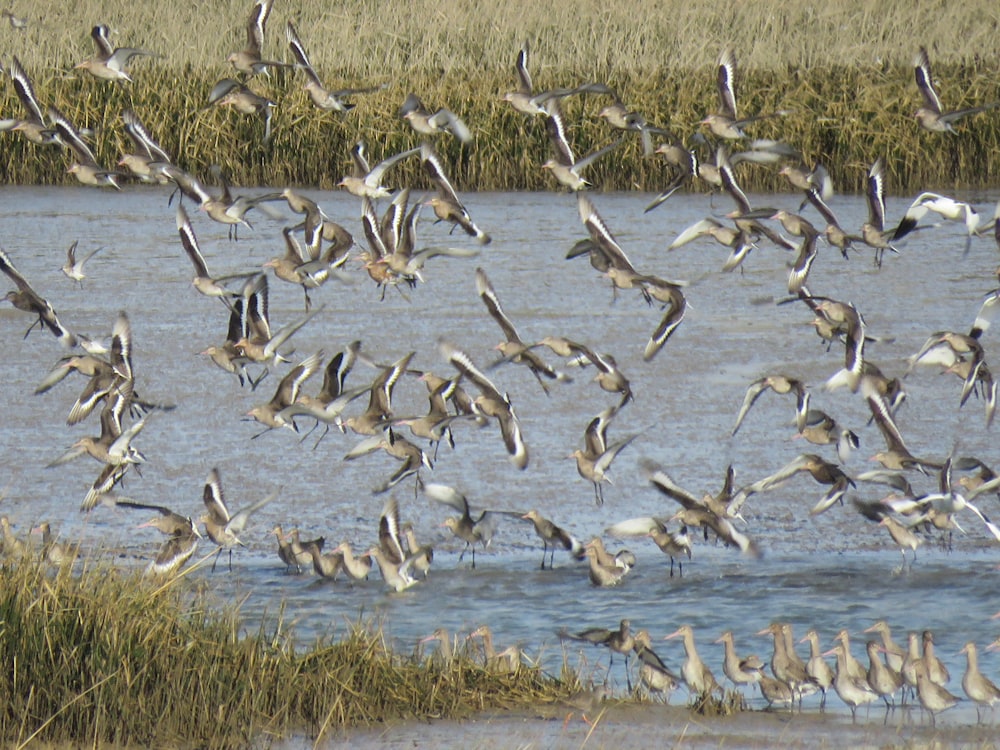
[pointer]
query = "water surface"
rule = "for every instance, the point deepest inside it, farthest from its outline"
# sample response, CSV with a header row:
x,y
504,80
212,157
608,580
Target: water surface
x,y
830,572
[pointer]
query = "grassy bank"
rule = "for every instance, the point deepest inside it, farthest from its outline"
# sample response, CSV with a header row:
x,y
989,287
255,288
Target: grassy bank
x,y
845,74
105,657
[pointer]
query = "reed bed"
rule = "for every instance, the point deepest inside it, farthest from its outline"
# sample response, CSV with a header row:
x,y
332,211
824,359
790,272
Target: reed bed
x,y
844,74
103,656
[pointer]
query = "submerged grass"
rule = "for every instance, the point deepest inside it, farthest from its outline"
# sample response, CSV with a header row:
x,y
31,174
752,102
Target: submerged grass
x,y
107,657
845,74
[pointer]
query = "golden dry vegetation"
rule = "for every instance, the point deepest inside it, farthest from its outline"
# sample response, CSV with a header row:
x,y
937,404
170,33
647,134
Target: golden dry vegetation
x,y
843,71
105,657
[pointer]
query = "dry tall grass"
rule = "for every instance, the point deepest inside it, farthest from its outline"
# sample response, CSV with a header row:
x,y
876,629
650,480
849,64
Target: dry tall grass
x,y
845,71
104,657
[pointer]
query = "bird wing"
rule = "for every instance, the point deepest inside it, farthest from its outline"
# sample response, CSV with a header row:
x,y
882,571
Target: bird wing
x,y
442,493
70,137
729,183
556,129
799,463
586,161
601,235
25,91
524,77
922,72
754,390
102,44
142,137
725,80
693,232
662,482
435,170
190,242
640,526
876,195
290,385
982,517
239,521
214,499
988,312
492,302
388,529
256,23
13,274
445,119
461,362
374,177
299,53
667,326
882,416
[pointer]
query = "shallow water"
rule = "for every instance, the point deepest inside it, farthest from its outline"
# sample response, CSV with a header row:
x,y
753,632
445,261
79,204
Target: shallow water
x,y
830,572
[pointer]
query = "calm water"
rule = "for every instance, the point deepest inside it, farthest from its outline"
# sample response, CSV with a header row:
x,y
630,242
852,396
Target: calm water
x,y
829,572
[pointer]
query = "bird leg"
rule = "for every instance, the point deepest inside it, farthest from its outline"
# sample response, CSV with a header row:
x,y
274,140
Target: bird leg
x,y
255,382
32,326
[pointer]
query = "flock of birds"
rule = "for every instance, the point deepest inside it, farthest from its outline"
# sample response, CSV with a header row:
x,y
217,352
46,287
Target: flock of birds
x,y
317,250
893,673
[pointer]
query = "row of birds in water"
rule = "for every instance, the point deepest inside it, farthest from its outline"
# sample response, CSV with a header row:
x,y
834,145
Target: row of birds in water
x,y
894,673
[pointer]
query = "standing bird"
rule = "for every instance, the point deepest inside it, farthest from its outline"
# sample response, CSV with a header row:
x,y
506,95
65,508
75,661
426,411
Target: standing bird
x,y
221,527
852,690
604,572
551,536
697,676
620,641
932,696
817,667
739,671
653,673
471,531
883,679
977,686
